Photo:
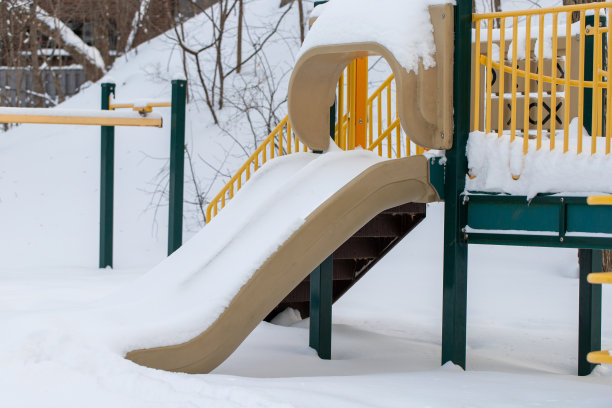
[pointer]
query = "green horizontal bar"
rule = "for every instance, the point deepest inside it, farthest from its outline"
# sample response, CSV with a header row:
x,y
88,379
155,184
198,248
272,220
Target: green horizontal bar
x,y
558,214
539,240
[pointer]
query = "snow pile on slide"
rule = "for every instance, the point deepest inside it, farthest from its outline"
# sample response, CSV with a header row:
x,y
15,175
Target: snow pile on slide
x,y
184,294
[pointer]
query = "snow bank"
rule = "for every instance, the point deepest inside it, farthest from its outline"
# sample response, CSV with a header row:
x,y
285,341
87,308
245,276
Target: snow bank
x,y
403,27
493,162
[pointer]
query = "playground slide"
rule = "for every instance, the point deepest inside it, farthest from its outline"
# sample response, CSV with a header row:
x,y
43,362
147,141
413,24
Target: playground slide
x,y
370,187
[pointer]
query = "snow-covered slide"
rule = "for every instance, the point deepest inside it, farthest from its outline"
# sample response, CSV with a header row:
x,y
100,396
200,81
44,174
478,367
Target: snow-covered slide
x,y
198,305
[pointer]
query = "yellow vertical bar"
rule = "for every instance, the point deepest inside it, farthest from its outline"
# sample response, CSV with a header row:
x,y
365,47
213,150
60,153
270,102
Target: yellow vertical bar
x,y
272,149
288,138
489,75
609,92
477,77
595,93
514,72
389,143
568,74
353,116
361,100
581,83
370,123
398,140
280,141
553,86
388,107
540,80
527,83
340,109
379,101
501,76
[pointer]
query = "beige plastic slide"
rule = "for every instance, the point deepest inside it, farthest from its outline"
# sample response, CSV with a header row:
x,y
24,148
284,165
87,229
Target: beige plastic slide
x,y
425,100
381,186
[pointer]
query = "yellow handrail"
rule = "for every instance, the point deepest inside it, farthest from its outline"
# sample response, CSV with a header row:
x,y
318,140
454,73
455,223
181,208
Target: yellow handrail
x,y
548,93
383,134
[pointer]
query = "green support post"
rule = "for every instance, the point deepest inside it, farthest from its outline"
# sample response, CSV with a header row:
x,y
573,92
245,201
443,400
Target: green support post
x,y
177,165
589,320
589,260
321,283
321,289
454,308
321,286
107,163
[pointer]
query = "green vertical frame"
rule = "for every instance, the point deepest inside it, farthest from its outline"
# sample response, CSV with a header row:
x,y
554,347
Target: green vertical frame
x,y
107,175
589,315
177,165
322,281
321,287
454,307
321,290
589,260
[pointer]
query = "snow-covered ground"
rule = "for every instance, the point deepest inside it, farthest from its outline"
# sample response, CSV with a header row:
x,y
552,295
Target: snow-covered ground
x,y
522,341
522,311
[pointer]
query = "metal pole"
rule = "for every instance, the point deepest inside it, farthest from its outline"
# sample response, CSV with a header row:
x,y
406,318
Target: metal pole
x,y
454,308
177,165
589,260
589,312
107,160
321,285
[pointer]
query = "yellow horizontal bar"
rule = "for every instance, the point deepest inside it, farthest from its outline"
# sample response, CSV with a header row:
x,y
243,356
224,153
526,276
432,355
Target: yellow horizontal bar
x,y
535,77
121,106
599,357
80,120
599,200
160,104
148,107
600,278
548,10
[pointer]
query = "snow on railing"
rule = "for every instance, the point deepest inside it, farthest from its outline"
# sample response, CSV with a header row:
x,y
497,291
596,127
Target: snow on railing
x,y
559,95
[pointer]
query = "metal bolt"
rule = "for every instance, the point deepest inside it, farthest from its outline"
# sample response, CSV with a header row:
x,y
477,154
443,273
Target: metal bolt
x,y
562,199
561,239
360,120
442,135
443,15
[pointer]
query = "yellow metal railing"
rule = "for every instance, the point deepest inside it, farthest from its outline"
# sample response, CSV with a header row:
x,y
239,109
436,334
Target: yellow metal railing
x,y
383,133
530,80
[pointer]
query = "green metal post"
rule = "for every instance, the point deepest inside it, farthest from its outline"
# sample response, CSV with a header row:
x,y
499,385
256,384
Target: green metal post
x,y
321,285
321,289
107,162
454,308
589,321
589,260
177,165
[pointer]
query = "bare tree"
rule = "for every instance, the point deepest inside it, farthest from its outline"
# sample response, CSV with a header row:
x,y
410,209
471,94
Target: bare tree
x,y
212,85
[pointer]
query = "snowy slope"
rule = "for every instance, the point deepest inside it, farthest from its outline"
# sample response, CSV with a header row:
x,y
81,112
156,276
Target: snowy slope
x,y
49,176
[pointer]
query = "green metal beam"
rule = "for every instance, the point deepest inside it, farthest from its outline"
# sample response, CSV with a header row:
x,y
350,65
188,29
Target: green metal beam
x,y
321,285
589,319
177,165
454,308
107,175
552,215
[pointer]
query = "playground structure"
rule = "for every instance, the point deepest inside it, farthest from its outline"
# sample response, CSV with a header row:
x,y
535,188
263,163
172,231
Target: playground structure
x,y
558,87
107,117
436,109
